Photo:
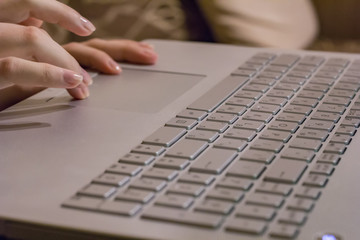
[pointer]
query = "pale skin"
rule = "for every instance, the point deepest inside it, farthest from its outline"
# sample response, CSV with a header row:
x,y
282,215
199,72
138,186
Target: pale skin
x,y
31,60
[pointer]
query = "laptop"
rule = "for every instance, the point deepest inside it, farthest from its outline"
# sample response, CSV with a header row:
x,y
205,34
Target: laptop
x,y
212,142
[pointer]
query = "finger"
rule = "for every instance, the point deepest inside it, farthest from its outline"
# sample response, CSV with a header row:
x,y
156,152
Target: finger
x,y
29,73
125,50
32,22
93,58
34,44
55,12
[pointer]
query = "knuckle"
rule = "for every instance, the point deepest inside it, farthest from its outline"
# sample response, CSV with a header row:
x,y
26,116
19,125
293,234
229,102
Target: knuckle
x,y
32,35
95,41
47,75
7,67
72,45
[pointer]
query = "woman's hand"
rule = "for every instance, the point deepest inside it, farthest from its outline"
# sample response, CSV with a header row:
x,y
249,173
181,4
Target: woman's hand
x,y
29,57
34,12
101,55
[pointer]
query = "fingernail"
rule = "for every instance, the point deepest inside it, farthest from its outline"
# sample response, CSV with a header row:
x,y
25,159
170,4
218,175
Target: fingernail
x,y
72,78
84,90
114,66
143,44
87,79
87,24
149,52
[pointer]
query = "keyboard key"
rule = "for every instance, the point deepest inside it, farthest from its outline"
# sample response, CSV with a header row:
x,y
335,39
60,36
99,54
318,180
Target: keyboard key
x,y
214,206
214,161
309,102
182,123
213,126
331,158
346,130
97,190
203,135
245,102
135,195
292,217
322,168
258,156
242,134
298,109
165,136
183,217
291,117
315,180
255,212
187,148
222,117
266,108
232,110
235,183
337,148
326,116
248,94
308,192
298,154
283,126
126,169
287,60
311,94
155,185
111,179
225,194
197,178
319,125
192,114
172,163
246,169
300,204
249,125
120,208
160,173
274,188
308,144
194,190
312,61
288,94
285,171
321,135
341,138
246,226
267,145
258,116
284,231
273,100
232,144
148,149
83,202
175,201
138,159
267,200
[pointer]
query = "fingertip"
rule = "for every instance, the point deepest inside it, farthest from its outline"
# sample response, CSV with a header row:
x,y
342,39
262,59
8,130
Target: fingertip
x,y
87,78
87,25
80,92
114,67
149,56
72,79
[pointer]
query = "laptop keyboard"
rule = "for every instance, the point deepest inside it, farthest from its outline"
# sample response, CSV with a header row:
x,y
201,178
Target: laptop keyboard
x,y
251,156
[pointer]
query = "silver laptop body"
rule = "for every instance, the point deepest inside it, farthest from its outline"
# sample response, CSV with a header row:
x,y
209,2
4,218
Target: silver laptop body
x,y
140,158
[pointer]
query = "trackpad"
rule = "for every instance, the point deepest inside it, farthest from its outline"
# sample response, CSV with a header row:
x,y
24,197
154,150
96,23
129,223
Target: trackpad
x,y
138,90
